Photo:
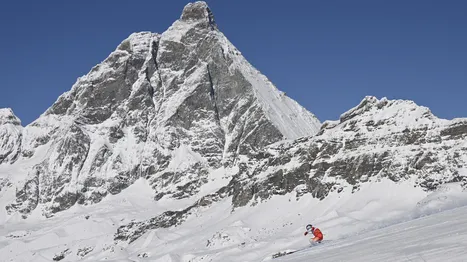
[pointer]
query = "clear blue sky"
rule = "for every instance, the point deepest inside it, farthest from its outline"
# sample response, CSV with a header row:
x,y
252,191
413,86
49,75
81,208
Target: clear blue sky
x,y
326,54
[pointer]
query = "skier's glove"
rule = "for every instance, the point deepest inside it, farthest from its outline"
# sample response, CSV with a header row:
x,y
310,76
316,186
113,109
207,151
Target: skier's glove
x,y
306,233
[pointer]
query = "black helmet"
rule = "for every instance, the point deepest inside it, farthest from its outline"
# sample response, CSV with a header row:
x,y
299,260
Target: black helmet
x,y
308,227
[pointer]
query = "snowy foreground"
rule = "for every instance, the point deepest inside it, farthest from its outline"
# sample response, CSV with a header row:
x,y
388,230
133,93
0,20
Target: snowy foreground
x,y
383,221
439,237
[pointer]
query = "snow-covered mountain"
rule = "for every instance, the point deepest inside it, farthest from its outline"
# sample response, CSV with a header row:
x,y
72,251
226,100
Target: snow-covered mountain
x,y
169,107
378,139
175,148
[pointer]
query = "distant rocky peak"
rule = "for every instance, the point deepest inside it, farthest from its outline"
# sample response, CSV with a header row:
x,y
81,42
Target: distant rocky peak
x,y
383,108
195,23
366,105
383,116
187,90
8,117
198,12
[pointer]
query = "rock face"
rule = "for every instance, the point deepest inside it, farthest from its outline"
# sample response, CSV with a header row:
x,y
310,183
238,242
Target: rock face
x,y
10,136
378,138
168,107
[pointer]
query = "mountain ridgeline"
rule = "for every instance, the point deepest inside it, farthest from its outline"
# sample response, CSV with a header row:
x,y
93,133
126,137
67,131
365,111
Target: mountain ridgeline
x,y
183,108
185,94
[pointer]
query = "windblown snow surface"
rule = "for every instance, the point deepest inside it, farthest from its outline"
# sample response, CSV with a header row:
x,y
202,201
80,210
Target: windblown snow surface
x,y
440,237
384,221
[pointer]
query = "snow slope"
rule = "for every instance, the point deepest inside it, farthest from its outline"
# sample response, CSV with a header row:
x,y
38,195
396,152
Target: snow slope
x,y
442,236
358,224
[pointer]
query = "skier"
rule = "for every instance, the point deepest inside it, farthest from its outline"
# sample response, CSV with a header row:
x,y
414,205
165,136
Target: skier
x,y
318,236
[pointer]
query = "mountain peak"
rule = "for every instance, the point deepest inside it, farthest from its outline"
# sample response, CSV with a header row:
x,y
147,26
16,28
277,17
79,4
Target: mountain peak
x,y
8,117
382,116
199,12
153,103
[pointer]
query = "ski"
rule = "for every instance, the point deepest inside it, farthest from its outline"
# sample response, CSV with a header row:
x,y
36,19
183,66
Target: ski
x,y
281,254
285,253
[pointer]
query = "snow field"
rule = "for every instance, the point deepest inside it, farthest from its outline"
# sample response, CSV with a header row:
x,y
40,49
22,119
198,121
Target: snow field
x,y
379,212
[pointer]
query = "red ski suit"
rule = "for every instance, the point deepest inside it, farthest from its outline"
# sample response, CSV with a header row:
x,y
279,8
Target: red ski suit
x,y
316,232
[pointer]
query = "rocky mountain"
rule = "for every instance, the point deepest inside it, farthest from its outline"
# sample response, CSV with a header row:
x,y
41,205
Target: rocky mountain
x,y
168,107
397,140
377,139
